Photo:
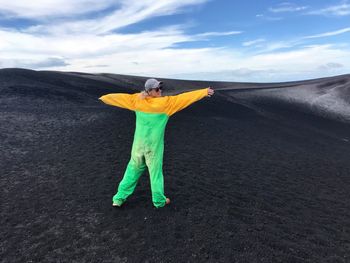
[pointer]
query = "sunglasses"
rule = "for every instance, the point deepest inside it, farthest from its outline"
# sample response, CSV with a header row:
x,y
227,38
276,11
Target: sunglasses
x,y
160,87
157,89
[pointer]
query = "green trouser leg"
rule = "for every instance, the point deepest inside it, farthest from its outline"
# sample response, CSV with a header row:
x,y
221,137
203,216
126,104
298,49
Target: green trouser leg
x,y
154,161
134,170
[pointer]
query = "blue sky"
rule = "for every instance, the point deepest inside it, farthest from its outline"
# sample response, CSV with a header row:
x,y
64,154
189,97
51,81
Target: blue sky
x,y
249,41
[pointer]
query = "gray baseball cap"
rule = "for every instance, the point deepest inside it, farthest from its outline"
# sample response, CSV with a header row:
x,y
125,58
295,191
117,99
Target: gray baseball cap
x,y
152,84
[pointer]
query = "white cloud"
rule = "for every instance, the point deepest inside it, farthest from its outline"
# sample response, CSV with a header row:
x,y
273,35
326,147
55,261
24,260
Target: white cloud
x,y
216,34
150,54
237,75
268,18
223,64
336,10
128,13
332,33
86,50
287,7
265,46
303,63
40,9
309,55
253,42
49,62
268,47
331,66
90,45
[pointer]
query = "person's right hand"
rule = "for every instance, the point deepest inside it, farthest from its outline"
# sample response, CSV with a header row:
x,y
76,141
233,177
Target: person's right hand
x,y
210,92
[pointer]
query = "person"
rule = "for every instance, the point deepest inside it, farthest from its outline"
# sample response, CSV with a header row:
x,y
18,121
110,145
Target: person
x,y
152,113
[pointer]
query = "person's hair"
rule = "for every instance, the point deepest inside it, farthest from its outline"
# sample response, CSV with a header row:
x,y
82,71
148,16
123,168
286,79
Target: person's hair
x,y
144,94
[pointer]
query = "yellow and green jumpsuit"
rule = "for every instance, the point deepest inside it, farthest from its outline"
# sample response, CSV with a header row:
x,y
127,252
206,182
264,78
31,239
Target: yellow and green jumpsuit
x,y
152,114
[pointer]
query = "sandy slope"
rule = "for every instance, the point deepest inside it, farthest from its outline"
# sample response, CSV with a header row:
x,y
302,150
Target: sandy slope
x,y
254,176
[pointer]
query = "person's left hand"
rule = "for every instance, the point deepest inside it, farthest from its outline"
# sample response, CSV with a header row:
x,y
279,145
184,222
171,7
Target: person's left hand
x,y
210,92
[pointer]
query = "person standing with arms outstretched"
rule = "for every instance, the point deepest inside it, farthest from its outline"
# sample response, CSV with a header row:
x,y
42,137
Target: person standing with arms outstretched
x,y
152,113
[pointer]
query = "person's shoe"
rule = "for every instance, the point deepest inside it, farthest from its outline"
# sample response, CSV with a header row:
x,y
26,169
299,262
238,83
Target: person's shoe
x,y
117,203
167,201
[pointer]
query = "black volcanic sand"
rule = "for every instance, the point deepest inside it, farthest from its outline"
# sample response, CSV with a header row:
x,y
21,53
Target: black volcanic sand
x,y
245,186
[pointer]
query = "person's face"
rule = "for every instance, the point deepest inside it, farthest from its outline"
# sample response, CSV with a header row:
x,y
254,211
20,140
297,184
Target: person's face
x,y
155,92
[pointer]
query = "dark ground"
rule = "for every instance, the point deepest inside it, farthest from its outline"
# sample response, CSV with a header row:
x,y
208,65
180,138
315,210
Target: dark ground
x,y
266,183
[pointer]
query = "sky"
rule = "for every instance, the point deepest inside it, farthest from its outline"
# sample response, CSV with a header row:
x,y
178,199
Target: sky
x,y
215,40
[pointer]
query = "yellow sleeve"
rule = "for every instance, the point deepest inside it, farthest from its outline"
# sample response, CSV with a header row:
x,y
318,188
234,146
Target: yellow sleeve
x,y
122,100
181,101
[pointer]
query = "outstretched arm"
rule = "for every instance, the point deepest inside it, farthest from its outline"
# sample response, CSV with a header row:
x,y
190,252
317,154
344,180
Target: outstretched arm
x,y
181,101
122,100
